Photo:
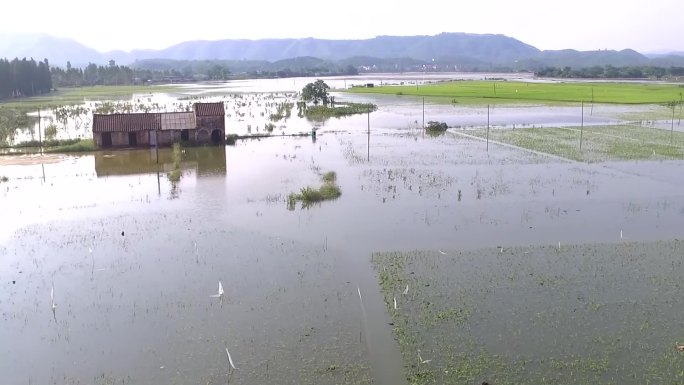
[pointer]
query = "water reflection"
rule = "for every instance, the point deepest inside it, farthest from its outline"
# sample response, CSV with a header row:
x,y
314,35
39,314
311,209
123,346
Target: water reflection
x,y
206,161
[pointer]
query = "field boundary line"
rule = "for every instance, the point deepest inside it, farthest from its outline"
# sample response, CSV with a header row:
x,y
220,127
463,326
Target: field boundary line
x,y
540,153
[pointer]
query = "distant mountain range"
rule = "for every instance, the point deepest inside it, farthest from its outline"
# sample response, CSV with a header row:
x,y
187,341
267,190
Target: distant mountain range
x,y
458,51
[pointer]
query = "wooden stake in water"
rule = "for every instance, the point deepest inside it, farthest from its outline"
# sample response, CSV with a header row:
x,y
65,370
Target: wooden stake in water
x,y
487,127
582,126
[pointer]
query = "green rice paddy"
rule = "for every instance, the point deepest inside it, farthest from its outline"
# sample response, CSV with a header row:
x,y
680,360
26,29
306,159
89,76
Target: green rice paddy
x,y
507,91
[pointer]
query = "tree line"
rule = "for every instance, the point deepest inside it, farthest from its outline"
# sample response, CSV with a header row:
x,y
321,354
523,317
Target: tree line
x,y
611,72
109,75
25,77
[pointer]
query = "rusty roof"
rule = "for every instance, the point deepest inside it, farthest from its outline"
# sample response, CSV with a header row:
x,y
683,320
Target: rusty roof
x,y
178,121
126,122
209,109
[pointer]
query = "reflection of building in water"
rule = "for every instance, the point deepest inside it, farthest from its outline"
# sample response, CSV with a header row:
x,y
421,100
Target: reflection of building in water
x,y
204,125
206,161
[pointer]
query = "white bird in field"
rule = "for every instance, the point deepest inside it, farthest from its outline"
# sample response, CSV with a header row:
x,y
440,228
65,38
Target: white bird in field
x,y
406,290
395,304
441,252
52,297
422,361
220,292
230,360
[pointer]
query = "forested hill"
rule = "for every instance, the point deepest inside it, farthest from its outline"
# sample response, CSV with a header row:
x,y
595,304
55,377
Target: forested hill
x,y
442,52
490,48
483,48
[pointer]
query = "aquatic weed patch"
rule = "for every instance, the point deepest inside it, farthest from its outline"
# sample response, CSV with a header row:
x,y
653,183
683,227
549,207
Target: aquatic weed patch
x,y
578,314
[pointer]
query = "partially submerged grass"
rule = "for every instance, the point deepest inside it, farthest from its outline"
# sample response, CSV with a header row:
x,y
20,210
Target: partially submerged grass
x,y
599,143
320,113
308,195
81,145
586,314
620,93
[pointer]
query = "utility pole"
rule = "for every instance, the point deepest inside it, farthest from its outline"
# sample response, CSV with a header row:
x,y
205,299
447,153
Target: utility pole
x,y
40,135
423,112
368,113
156,147
582,126
672,124
487,127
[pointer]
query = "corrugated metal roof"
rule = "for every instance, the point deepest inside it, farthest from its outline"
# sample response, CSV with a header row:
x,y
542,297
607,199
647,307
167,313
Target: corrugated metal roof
x,y
209,109
178,121
126,122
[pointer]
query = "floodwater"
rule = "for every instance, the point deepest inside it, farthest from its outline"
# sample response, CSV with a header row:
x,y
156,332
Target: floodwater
x,y
134,258
249,105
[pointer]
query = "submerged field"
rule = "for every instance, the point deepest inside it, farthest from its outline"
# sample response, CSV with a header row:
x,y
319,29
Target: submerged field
x,y
598,143
568,314
529,262
509,91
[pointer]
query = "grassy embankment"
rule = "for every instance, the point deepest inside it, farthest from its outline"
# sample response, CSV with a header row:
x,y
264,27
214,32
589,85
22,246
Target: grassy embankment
x,y
76,95
483,92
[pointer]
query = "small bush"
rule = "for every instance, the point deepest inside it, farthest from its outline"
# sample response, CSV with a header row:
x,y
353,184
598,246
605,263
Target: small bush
x,y
330,191
3,179
269,127
83,145
231,139
330,177
436,126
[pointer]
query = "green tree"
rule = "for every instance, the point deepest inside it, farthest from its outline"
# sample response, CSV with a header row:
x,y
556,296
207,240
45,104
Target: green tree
x,y
316,92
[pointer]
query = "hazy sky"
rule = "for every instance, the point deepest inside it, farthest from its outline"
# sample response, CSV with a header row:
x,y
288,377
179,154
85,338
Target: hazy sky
x,y
580,24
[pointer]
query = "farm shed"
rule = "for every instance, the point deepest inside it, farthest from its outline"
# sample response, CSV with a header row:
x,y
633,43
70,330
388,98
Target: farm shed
x,y
204,125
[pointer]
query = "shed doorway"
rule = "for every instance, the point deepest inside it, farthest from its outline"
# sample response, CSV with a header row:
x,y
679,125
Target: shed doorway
x,y
106,139
132,139
216,136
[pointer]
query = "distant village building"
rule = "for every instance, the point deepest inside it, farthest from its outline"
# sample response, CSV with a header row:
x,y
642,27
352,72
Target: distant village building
x,y
204,125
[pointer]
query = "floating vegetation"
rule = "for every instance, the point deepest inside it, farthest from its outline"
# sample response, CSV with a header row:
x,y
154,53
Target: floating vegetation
x,y
309,195
175,174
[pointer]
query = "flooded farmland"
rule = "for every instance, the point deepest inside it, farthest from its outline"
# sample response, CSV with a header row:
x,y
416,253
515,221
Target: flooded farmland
x,y
443,261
